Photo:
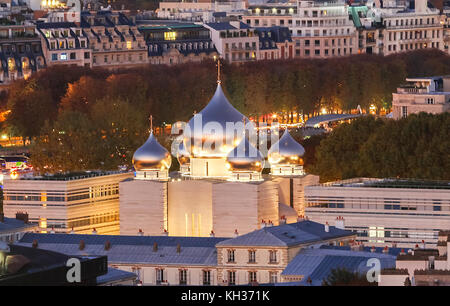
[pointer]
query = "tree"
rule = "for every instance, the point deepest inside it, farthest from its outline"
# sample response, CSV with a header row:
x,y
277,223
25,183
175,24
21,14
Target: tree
x,y
344,277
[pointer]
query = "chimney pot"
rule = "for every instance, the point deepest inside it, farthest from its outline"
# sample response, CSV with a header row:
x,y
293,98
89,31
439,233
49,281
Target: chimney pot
x,y
82,245
35,244
107,245
155,247
327,227
212,234
236,234
178,248
140,233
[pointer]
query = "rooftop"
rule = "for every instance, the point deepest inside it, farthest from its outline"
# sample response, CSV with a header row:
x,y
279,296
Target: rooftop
x,y
390,183
11,225
132,249
71,176
287,235
318,263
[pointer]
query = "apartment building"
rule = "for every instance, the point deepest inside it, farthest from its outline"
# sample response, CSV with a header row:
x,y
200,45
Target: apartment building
x,y
175,43
64,43
270,15
79,202
20,53
428,94
411,29
382,212
323,29
235,41
260,256
114,39
275,43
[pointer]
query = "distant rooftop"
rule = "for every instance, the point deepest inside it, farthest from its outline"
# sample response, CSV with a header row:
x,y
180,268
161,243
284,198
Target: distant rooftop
x,y
287,235
11,225
71,176
390,183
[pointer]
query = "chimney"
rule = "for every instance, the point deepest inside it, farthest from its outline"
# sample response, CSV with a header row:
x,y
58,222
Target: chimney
x,y
165,233
212,235
72,231
22,216
402,252
94,231
327,227
340,223
263,223
283,220
82,245
178,248
155,247
236,234
2,217
386,250
423,244
140,233
35,244
300,218
107,245
372,250
52,230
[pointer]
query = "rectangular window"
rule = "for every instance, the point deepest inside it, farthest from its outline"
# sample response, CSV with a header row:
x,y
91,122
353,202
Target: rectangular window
x,y
206,277
159,276
273,277
272,256
252,277
63,56
73,56
251,256
231,278
183,277
404,111
54,57
230,255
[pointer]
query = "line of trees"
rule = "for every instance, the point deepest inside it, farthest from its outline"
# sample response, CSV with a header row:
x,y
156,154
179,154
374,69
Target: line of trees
x,y
85,118
413,147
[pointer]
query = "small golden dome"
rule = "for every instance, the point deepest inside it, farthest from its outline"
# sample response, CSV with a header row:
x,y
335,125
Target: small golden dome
x,y
151,156
286,151
245,157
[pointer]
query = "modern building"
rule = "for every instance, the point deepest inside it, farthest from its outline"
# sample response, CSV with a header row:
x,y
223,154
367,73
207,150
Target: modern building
x,y
257,257
114,39
427,94
13,229
80,202
235,41
65,43
20,53
382,212
176,43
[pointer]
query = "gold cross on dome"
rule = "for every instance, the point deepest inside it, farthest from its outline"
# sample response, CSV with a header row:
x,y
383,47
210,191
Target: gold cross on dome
x,y
218,71
151,122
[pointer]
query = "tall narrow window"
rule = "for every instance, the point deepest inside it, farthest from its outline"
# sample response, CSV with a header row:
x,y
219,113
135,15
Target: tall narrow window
x,y
183,276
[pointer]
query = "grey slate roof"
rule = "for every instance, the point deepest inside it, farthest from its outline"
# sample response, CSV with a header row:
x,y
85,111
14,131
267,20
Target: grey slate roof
x,y
11,224
318,263
287,235
132,249
220,26
115,275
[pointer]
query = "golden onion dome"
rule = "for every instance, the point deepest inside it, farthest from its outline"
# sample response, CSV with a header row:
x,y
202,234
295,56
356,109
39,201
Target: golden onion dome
x,y
207,135
245,157
151,156
183,155
286,151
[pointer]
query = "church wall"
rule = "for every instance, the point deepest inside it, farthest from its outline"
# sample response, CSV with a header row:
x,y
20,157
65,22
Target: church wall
x,y
190,208
235,206
142,206
299,191
208,167
268,203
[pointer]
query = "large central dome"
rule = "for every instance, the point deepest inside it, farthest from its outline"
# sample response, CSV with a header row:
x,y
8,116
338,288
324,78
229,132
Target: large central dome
x,y
216,129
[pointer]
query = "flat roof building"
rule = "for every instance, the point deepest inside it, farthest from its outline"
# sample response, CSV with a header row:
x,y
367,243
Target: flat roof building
x,y
383,211
76,202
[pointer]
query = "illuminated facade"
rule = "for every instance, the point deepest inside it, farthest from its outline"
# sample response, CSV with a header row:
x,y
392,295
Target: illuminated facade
x,y
21,53
65,43
176,43
220,189
383,211
77,203
235,41
428,94
114,39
